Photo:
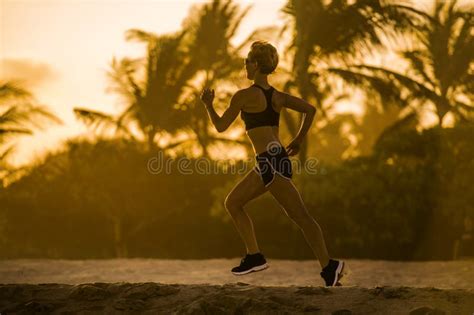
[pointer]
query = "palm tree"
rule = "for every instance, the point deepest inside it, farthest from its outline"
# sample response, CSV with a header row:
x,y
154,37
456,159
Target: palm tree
x,y
153,103
20,117
198,56
332,32
441,69
210,29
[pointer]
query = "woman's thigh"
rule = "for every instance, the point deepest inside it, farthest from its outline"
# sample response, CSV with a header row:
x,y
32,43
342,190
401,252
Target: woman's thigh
x,y
249,187
288,196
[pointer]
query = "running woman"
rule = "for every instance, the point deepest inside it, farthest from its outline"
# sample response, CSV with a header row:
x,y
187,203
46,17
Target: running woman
x,y
259,106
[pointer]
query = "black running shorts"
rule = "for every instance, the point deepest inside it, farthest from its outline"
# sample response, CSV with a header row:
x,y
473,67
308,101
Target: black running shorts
x,y
274,160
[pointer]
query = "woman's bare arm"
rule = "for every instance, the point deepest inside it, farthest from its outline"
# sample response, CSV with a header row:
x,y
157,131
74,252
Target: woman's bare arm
x,y
221,122
300,105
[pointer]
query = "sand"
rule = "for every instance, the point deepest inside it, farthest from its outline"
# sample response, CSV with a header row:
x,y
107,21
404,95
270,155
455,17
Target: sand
x,y
207,287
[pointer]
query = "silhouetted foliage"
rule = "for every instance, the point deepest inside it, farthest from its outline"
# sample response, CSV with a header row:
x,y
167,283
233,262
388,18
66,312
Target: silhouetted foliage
x,y
19,115
100,200
152,88
441,64
335,33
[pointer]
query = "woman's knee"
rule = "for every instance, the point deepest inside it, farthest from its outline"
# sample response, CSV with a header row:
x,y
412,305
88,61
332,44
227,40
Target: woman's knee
x,y
232,203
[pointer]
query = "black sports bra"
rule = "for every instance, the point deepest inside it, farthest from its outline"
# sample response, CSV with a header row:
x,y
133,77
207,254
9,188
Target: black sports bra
x,y
267,117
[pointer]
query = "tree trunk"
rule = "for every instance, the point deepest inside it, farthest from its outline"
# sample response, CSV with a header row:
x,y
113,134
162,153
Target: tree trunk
x,y
151,139
440,118
204,143
119,243
442,107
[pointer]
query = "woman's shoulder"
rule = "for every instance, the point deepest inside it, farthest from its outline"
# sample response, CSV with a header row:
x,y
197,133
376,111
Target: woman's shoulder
x,y
246,90
244,93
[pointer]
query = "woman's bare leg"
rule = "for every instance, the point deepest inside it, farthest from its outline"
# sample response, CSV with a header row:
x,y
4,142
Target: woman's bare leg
x,y
248,188
287,195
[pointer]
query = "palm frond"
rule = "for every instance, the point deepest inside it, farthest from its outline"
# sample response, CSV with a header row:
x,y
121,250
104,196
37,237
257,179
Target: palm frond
x,y
416,14
419,64
119,76
464,106
417,88
27,114
462,48
98,121
387,90
237,21
12,89
139,35
6,153
257,34
7,131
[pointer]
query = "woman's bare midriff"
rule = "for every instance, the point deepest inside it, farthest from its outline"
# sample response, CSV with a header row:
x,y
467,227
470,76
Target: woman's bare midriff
x,y
262,137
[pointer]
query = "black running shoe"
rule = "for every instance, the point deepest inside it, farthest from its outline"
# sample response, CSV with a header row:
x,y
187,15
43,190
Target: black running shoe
x,y
253,262
332,272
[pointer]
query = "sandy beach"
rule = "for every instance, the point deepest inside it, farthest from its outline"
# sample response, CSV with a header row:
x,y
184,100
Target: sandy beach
x,y
235,298
207,287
